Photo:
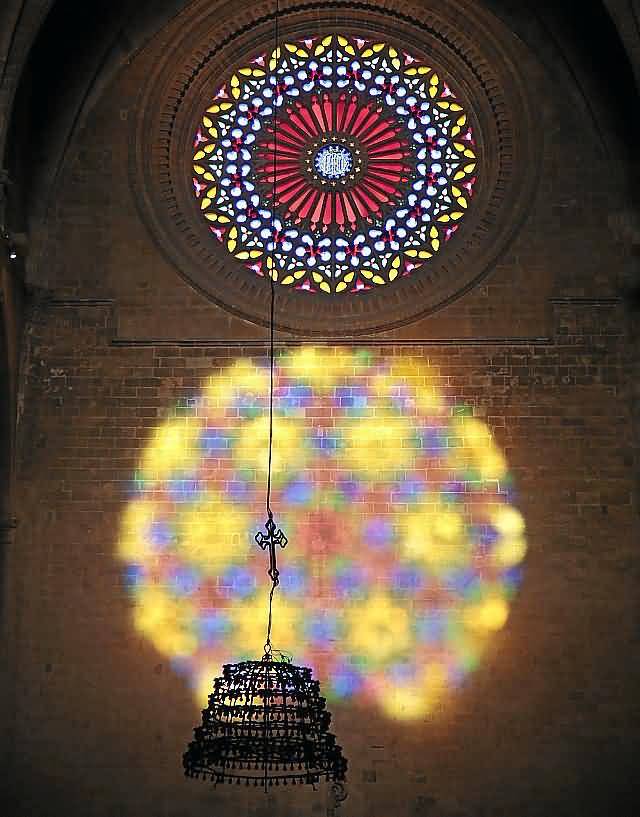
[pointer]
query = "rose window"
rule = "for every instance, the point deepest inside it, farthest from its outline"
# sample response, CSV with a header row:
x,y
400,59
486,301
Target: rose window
x,y
335,164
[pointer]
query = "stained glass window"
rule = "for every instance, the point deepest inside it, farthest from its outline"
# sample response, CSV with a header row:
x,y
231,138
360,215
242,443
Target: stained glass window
x,y
334,164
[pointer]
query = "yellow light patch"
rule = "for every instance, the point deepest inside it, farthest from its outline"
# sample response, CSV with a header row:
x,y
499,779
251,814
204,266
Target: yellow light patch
x,y
134,542
508,521
167,622
408,702
249,622
320,367
212,534
378,629
510,552
488,616
173,447
477,450
252,453
436,536
378,444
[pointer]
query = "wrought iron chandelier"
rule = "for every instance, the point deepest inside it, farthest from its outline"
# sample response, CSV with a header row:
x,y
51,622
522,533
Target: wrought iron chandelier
x,y
266,722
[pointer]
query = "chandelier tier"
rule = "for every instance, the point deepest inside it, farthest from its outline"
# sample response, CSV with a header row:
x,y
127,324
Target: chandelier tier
x,y
266,724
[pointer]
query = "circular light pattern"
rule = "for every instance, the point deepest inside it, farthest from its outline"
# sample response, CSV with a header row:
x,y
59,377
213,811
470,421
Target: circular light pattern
x,y
404,545
334,164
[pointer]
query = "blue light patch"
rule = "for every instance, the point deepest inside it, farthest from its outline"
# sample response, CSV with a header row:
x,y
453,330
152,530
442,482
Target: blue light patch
x,y
293,580
402,673
406,580
484,538
512,579
352,397
433,439
403,398
456,676
378,533
452,491
161,535
240,490
325,442
293,397
213,627
350,489
215,440
298,492
431,627
463,582
184,581
350,580
240,581
408,491
346,682
181,666
321,629
134,576
183,490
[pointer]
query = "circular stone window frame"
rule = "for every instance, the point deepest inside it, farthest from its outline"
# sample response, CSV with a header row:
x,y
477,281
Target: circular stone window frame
x,y
480,60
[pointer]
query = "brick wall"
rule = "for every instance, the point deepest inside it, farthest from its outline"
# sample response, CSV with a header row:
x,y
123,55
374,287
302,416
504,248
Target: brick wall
x,y
538,352
551,694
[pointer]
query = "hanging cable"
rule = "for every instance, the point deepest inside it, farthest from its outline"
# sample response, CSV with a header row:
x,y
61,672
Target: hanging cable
x,y
270,703
273,257
274,537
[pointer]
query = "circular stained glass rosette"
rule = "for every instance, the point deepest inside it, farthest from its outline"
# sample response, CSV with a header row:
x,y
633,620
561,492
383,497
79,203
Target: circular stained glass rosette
x,y
334,164
404,546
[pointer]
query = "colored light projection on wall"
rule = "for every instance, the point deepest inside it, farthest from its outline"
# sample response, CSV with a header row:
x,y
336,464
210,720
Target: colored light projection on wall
x,y
404,545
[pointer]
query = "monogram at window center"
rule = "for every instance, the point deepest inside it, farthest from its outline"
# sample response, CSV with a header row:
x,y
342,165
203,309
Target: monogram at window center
x,y
333,162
